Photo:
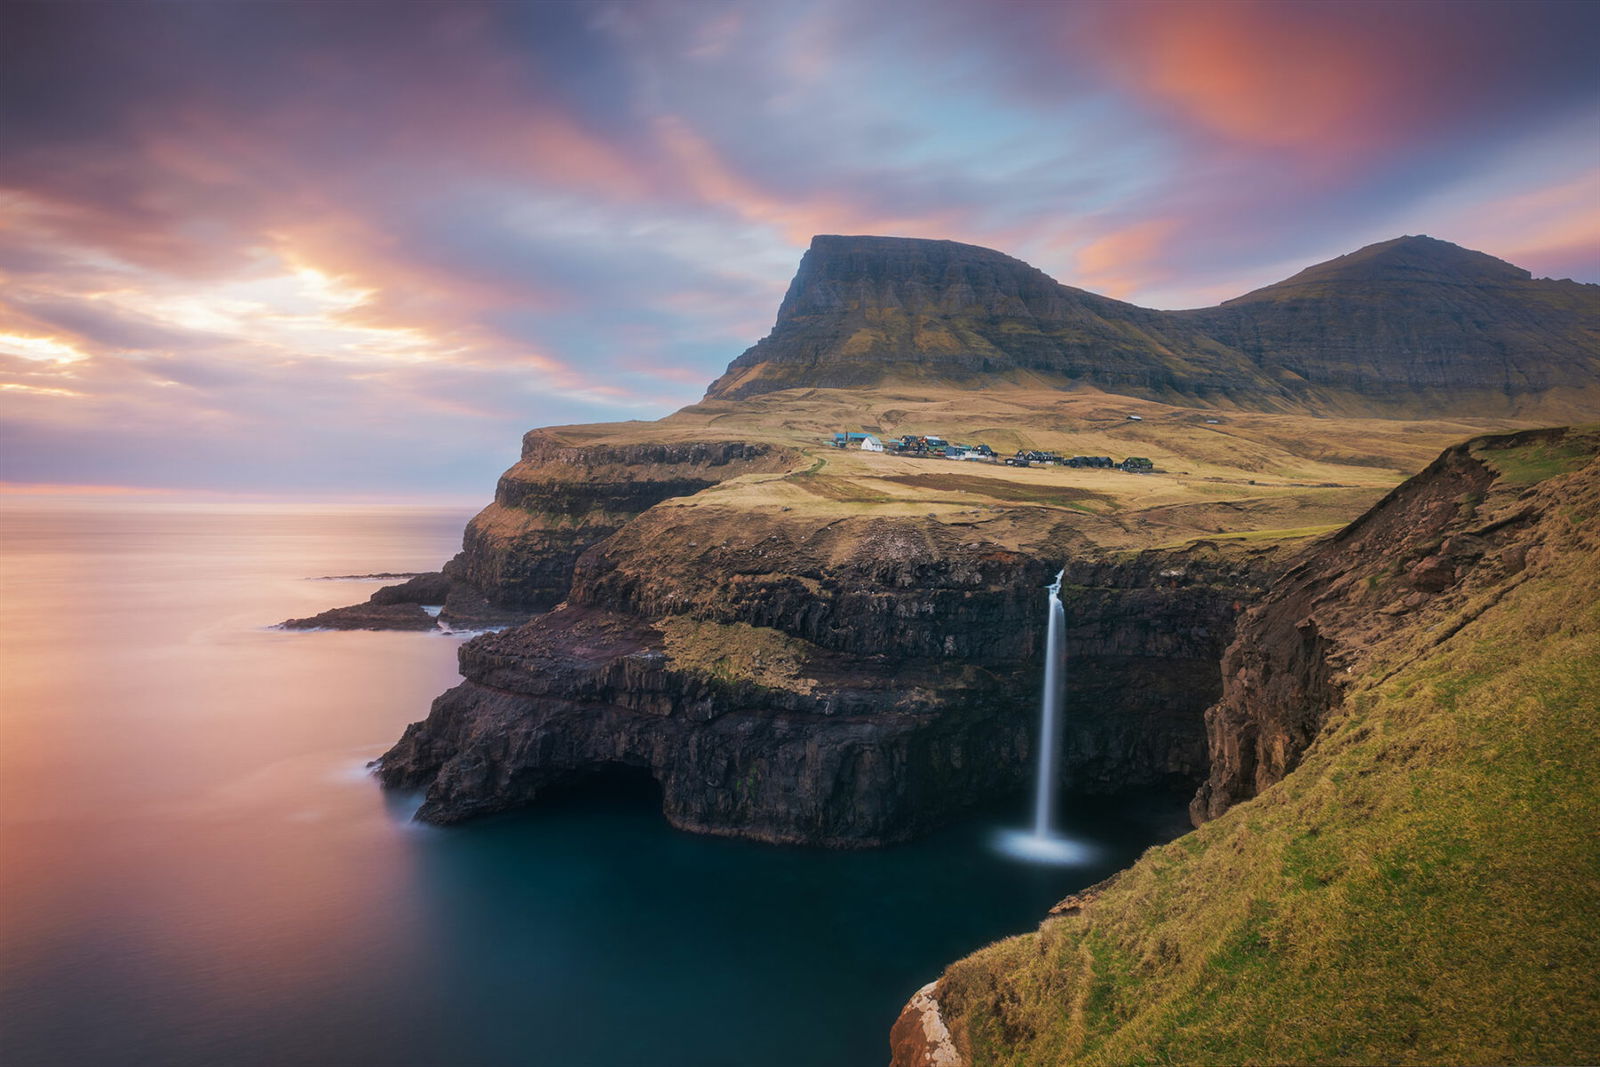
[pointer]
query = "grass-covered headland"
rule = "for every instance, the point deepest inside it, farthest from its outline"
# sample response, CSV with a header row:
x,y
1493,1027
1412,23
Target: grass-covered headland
x,y
1423,888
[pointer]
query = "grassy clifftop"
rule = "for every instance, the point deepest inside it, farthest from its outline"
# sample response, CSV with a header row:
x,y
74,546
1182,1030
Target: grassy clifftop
x,y
1425,887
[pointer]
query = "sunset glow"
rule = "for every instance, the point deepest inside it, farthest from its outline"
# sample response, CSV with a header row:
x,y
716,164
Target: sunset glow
x,y
346,250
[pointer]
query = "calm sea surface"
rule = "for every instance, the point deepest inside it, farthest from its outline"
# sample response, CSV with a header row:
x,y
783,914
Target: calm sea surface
x,y
196,870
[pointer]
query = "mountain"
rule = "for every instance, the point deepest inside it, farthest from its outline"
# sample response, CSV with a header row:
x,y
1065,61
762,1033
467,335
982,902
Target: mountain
x,y
1422,325
1410,327
865,309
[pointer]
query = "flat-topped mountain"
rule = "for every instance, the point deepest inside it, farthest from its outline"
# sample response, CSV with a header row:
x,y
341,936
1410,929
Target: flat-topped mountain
x,y
1413,326
862,310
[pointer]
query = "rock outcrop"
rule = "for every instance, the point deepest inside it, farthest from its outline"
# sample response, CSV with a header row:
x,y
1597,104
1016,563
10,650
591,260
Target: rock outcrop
x,y
455,604
920,1037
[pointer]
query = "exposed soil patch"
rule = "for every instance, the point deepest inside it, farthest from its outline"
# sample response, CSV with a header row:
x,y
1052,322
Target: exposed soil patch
x,y
1003,489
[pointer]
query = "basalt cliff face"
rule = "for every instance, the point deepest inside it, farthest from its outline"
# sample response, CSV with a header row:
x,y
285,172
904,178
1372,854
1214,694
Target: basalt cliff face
x,y
1396,840
1413,326
846,684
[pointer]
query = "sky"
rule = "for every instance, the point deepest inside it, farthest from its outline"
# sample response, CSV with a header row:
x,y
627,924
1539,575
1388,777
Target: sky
x,y
354,250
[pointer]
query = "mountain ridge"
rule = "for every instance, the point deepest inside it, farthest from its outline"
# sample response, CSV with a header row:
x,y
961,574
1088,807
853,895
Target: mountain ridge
x,y
1396,329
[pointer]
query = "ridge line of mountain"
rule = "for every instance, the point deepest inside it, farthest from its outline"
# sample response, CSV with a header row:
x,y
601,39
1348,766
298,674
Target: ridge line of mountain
x,y
1401,328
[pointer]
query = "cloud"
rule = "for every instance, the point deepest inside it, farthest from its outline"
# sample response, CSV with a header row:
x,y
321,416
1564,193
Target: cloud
x,y
333,245
1113,262
1331,80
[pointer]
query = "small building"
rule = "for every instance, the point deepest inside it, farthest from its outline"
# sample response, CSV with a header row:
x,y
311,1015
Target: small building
x,y
1137,465
1104,462
870,443
910,445
1135,418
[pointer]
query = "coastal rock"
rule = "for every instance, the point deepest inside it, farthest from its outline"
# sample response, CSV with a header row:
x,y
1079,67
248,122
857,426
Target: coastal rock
x,y
368,616
401,607
568,493
920,1037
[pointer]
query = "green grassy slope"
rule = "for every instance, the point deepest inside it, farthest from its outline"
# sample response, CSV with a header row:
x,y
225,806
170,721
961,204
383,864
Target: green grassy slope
x,y
1425,888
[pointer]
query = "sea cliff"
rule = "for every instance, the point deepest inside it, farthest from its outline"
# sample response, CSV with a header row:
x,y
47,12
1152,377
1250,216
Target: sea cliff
x,y
843,684
1396,857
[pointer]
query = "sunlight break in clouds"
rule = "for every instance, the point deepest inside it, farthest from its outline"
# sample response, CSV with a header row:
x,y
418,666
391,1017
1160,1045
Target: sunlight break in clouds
x,y
39,349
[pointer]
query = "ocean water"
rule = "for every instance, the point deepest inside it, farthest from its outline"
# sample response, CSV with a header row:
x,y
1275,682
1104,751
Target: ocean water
x,y
196,870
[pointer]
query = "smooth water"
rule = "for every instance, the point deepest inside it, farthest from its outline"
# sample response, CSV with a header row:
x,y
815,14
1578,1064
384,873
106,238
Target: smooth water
x,y
196,870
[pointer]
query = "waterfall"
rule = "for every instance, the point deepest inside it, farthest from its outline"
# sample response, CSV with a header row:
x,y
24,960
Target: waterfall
x,y
1043,844
1044,799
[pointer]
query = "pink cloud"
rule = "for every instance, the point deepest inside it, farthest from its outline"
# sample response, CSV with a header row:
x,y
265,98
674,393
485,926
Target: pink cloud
x,y
1125,260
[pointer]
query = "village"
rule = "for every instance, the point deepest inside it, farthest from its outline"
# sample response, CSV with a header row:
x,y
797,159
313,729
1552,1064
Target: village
x,y
928,446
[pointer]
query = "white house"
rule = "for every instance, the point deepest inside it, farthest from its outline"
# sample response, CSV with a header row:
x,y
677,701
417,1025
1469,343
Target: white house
x,y
870,443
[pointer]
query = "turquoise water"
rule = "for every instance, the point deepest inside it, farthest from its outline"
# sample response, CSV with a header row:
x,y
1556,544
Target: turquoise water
x,y
195,868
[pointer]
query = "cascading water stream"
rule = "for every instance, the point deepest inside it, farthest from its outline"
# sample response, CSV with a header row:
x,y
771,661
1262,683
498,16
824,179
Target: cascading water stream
x,y
1043,844
1044,797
